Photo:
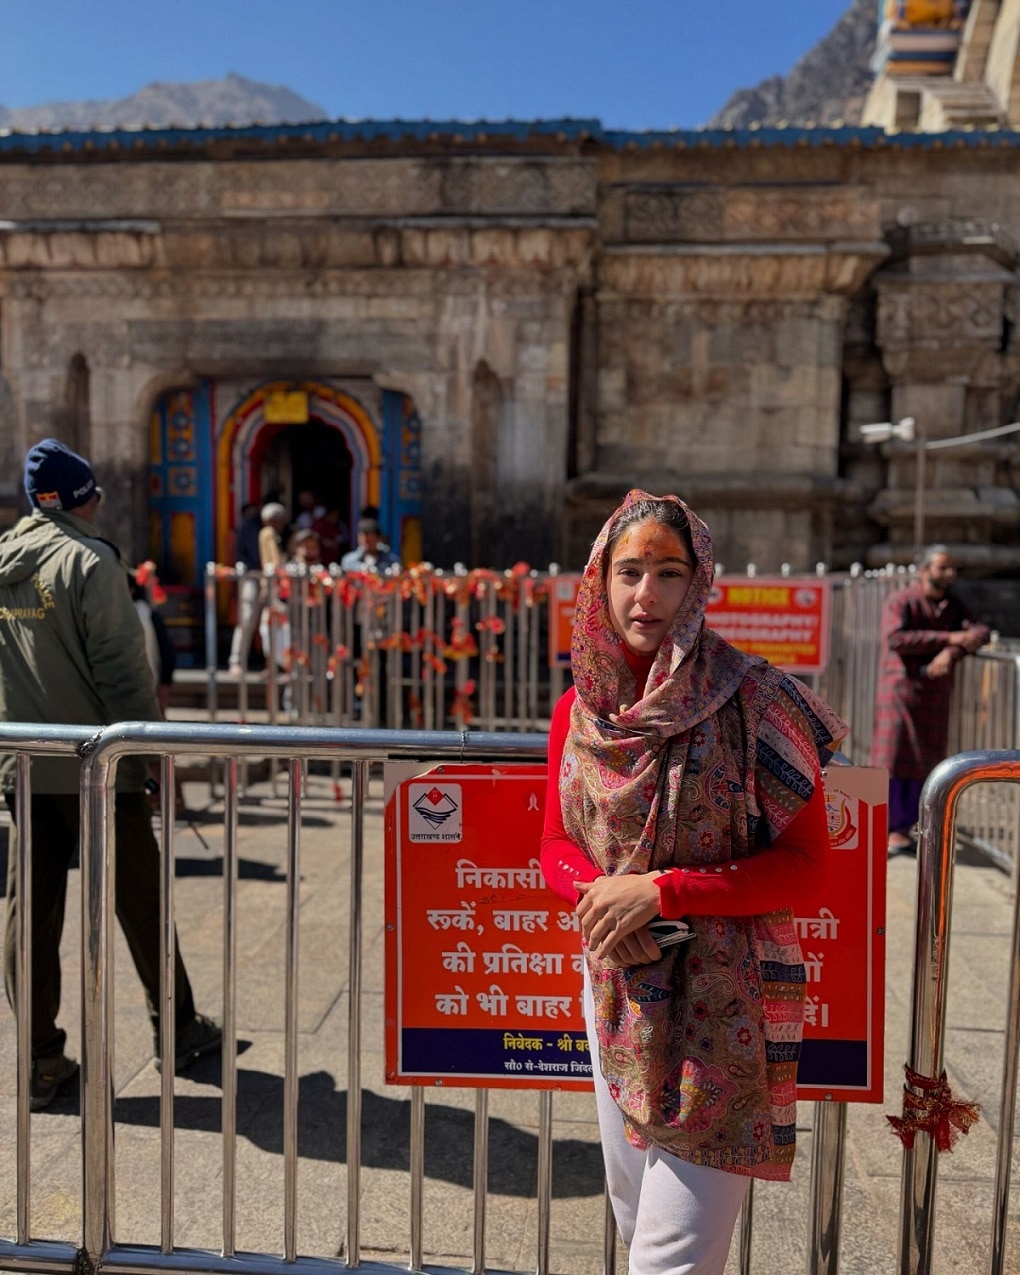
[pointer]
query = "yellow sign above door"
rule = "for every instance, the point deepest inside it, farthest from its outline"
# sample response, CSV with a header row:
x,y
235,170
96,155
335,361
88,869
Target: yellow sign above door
x,y
286,407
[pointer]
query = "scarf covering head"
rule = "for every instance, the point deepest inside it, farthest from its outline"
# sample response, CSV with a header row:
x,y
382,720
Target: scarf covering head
x,y
712,763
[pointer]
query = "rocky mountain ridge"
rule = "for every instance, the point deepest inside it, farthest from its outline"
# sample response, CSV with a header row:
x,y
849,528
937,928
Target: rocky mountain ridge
x,y
827,86
209,103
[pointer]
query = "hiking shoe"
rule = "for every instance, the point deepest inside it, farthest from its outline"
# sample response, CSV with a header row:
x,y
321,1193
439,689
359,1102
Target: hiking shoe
x,y
901,843
201,1036
48,1074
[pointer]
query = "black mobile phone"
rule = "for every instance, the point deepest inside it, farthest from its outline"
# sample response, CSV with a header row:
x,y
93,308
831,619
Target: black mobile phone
x,y
669,933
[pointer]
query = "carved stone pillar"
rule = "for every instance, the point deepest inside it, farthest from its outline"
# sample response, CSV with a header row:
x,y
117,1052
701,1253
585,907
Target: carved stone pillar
x,y
719,332
942,331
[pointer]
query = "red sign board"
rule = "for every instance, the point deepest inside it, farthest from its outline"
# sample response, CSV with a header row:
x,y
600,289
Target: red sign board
x,y
483,962
562,601
843,944
784,619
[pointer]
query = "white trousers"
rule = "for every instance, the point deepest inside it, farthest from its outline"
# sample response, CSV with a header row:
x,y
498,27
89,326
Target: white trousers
x,y
249,605
677,1218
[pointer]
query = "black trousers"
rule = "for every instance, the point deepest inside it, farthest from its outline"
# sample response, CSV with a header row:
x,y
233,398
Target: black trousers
x,y
55,823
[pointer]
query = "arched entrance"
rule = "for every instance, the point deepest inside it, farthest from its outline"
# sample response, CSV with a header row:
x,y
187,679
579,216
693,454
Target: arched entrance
x,y
216,446
283,439
305,458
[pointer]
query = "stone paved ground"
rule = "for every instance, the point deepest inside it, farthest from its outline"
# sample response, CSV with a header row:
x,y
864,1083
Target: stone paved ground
x,y
978,982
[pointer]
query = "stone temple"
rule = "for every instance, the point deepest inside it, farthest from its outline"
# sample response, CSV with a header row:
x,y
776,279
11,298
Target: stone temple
x,y
492,330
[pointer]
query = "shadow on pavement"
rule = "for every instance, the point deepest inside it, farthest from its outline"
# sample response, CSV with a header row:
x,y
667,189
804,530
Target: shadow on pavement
x,y
247,869
322,1127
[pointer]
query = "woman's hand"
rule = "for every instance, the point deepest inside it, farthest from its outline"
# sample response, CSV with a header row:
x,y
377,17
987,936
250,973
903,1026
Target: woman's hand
x,y
636,948
611,908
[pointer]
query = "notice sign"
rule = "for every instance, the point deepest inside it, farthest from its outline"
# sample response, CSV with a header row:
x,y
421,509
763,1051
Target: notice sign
x,y
785,620
483,962
843,943
562,601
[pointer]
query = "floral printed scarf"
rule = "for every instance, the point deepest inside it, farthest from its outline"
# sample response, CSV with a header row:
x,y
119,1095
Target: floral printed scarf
x,y
700,1048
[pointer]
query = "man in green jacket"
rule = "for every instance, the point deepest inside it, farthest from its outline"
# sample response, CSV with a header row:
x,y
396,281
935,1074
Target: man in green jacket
x,y
72,650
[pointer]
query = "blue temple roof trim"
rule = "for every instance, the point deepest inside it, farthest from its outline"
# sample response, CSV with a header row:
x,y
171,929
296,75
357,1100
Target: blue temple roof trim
x,y
489,131
320,131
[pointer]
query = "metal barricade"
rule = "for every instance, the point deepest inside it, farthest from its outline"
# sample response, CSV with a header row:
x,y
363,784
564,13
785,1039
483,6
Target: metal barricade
x,y
986,716
294,747
24,1253
422,648
940,803
850,681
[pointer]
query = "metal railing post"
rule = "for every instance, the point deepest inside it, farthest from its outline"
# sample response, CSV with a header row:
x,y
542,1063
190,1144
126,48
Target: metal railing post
x,y
290,1016
480,1179
937,827
828,1158
1007,1105
745,1232
23,808
229,1052
359,792
167,1005
98,774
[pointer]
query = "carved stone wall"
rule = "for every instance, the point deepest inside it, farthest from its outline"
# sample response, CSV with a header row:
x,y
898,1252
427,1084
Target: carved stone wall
x,y
416,309
714,320
941,324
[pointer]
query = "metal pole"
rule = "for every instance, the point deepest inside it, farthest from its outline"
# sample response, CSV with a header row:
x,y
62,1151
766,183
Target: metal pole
x,y
481,1178
98,774
746,1230
828,1157
1007,1106
210,639
544,1182
210,658
920,455
609,1238
1015,864
359,794
167,1004
937,824
416,1164
229,1050
290,1022
23,1019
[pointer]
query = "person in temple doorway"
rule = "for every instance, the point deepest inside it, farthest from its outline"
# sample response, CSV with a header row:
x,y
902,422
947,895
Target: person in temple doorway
x,y
309,508
249,587
371,556
372,553
334,538
926,631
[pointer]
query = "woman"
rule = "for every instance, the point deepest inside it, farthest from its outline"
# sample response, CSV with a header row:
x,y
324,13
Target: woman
x,y
684,783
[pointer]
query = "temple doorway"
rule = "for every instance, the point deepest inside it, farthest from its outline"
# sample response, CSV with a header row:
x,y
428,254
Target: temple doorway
x,y
315,458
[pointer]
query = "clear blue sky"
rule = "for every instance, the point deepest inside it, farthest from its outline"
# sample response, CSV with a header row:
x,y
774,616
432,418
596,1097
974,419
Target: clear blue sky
x,y
632,63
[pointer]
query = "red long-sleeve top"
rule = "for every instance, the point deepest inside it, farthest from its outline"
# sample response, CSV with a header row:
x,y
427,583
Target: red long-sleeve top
x,y
790,873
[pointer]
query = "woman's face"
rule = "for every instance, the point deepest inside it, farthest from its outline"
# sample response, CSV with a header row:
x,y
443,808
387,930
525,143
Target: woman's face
x,y
649,574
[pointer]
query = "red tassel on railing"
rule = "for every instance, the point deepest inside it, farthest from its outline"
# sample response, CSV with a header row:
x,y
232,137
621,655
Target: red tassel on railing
x,y
933,1111
462,644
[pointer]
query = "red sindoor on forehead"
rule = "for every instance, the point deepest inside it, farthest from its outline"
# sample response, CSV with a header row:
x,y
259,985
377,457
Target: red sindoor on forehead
x,y
652,541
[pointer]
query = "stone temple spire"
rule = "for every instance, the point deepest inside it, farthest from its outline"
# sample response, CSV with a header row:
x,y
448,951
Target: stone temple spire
x,y
944,64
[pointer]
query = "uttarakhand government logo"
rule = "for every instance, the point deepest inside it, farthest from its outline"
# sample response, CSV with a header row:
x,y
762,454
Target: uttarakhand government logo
x,y
843,816
435,812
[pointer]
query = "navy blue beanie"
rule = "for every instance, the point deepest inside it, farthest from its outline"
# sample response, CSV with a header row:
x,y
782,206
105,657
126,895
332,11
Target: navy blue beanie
x,y
57,478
